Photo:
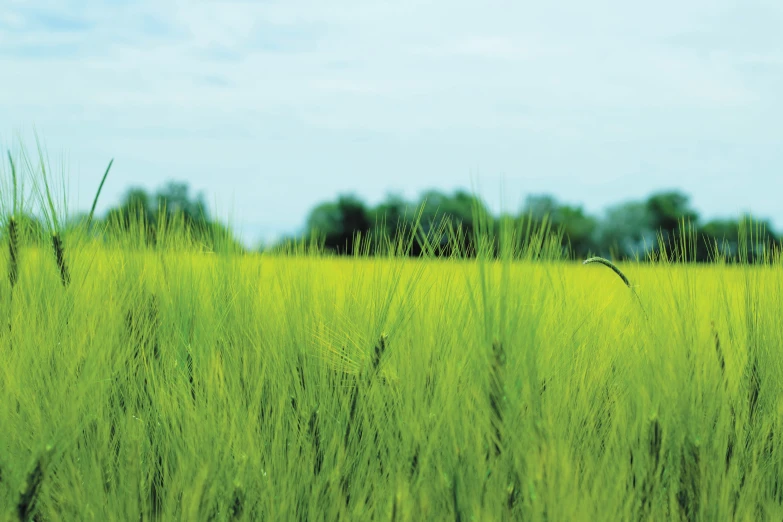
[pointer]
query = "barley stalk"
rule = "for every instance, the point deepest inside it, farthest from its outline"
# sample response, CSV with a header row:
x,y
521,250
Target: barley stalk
x,y
496,395
157,485
189,366
648,481
690,481
455,493
754,383
25,507
656,438
13,250
497,410
719,352
59,253
378,353
616,270
415,461
13,232
238,503
609,264
315,433
143,334
365,379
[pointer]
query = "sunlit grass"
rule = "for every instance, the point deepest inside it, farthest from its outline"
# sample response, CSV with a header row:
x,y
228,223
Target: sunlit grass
x,y
173,385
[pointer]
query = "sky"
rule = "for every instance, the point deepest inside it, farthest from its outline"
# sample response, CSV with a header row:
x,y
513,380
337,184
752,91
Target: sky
x,y
270,107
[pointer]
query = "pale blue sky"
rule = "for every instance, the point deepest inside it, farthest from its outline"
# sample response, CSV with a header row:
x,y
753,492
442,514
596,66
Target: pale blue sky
x,y
271,106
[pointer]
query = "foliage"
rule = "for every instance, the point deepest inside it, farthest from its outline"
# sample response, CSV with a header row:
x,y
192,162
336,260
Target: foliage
x,y
631,230
148,214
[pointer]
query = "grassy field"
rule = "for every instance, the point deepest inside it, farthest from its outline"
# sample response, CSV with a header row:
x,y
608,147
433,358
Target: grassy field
x,y
174,385
170,383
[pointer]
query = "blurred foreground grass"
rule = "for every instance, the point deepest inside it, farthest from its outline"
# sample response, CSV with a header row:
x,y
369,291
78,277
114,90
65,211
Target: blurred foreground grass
x,y
173,385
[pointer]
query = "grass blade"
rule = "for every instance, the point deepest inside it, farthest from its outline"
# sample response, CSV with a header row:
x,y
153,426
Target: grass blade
x,y
97,194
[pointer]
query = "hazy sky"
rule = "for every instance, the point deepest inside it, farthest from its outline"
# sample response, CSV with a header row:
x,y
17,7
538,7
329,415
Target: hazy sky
x,y
271,106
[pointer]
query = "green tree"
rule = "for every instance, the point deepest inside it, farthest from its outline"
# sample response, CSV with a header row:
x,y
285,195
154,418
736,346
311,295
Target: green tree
x,y
135,209
668,212
392,219
441,212
172,201
579,229
721,237
174,197
727,238
338,223
626,231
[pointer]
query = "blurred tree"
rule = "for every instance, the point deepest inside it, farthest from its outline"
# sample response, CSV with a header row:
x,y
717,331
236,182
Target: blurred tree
x,y
721,237
174,198
755,239
626,231
135,209
668,209
668,212
171,201
355,219
392,219
442,216
539,206
579,229
338,223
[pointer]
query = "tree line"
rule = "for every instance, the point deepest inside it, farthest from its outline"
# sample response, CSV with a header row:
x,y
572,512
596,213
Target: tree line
x,y
141,218
444,224
664,223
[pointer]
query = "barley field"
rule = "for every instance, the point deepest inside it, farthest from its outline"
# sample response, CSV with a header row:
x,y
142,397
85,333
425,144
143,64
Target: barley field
x,y
173,384
179,382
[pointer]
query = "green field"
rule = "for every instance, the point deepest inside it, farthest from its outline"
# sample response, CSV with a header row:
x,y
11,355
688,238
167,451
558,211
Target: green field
x,y
177,380
167,384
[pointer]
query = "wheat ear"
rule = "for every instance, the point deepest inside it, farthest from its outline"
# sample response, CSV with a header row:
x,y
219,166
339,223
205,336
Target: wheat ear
x,y
59,253
611,265
13,232
616,270
13,251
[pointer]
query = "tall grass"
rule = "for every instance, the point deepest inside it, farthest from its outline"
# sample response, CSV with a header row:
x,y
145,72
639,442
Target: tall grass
x,y
512,385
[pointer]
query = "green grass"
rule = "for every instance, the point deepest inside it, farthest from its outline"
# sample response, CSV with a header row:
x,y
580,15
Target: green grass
x,y
165,384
